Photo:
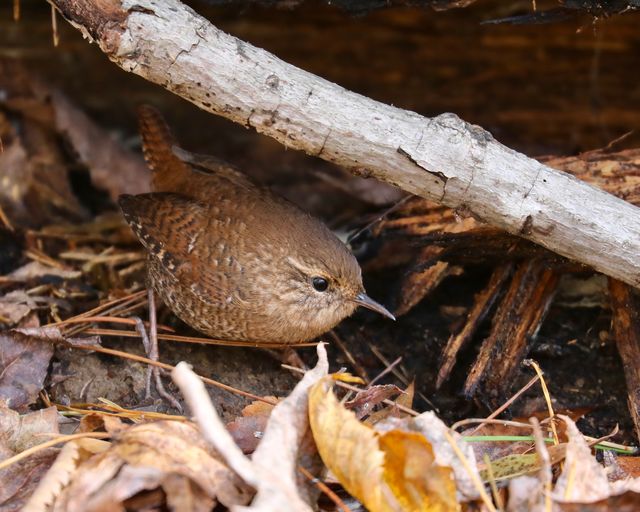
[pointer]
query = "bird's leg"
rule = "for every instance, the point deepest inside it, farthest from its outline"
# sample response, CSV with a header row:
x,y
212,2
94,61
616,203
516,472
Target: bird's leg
x,y
150,343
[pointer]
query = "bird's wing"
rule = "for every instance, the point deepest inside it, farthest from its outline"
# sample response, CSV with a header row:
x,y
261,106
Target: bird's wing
x,y
176,231
213,167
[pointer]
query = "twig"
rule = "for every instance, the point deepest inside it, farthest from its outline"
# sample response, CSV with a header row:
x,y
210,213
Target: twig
x,y
545,463
360,370
401,376
356,389
475,478
3,216
388,369
195,339
48,444
492,483
547,398
54,27
192,388
513,398
325,489
141,359
473,421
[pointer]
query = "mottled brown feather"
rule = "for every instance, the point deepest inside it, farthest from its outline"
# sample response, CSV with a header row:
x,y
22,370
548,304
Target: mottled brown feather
x,y
231,258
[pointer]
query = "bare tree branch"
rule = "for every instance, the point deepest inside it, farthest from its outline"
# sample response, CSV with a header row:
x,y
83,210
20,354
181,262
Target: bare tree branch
x,y
441,158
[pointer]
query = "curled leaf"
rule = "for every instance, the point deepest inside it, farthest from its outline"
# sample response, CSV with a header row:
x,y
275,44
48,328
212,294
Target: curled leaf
x,y
390,471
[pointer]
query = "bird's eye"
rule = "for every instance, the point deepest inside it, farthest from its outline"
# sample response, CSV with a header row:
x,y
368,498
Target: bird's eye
x,y
320,283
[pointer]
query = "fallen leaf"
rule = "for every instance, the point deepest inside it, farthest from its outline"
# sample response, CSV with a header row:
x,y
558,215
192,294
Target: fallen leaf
x,y
435,432
11,313
142,457
18,433
248,429
24,361
286,444
273,469
21,478
629,502
583,479
405,400
413,474
36,270
364,401
61,471
112,167
182,494
391,470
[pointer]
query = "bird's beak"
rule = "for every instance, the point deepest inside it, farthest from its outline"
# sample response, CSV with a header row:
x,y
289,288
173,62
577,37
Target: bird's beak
x,y
362,299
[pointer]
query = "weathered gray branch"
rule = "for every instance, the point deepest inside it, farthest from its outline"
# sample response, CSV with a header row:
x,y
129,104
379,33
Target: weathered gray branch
x,y
442,158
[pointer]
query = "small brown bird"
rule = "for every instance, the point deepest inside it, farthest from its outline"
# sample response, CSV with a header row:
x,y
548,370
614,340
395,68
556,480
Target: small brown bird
x,y
232,259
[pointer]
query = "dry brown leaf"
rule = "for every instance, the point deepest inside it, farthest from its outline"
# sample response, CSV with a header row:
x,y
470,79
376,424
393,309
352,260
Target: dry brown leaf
x,y
583,479
33,168
364,401
61,472
287,443
12,312
98,421
248,429
405,400
18,433
373,467
35,270
18,481
34,163
628,502
142,457
627,467
111,166
274,468
183,494
24,361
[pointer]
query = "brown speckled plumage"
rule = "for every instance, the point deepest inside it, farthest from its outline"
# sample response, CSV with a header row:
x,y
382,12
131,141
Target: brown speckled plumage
x,y
231,258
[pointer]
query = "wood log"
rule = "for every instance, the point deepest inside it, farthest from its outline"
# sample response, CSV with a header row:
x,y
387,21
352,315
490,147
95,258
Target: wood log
x,y
515,324
441,158
626,328
482,304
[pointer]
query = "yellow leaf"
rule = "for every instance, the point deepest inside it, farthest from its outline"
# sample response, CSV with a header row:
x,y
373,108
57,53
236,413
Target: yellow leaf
x,y
413,475
515,464
393,471
346,377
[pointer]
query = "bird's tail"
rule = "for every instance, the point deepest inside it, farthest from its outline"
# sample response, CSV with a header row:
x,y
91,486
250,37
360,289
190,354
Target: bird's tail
x,y
169,172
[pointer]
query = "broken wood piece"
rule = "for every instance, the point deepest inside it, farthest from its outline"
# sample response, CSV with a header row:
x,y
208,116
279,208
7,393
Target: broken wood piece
x,y
443,158
483,302
425,275
517,320
626,328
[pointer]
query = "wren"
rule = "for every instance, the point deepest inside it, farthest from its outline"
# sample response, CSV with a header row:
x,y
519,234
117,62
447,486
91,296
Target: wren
x,y
232,259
